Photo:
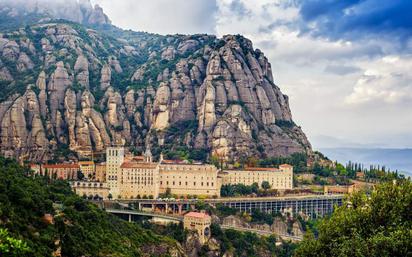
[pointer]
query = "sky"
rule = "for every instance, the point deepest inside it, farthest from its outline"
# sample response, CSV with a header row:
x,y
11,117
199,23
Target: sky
x,y
345,65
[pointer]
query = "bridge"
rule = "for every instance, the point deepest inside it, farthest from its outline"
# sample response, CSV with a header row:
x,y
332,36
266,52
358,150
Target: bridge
x,y
311,205
133,213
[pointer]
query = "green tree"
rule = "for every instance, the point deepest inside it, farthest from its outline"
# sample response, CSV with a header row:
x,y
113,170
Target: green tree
x,y
265,185
11,247
379,224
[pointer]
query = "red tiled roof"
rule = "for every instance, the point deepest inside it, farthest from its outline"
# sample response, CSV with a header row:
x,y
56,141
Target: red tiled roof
x,y
172,162
129,165
61,165
86,162
286,166
193,214
260,169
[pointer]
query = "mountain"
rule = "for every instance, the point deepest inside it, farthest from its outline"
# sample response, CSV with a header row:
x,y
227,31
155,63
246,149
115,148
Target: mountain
x,y
15,13
70,87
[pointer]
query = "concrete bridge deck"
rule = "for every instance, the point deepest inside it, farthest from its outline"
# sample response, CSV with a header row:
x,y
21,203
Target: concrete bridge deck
x,y
147,214
311,205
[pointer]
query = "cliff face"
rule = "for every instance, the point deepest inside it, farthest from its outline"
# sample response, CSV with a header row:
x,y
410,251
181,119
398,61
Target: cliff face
x,y
80,11
63,85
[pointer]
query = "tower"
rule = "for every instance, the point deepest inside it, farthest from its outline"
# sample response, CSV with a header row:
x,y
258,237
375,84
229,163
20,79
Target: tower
x,y
148,155
114,159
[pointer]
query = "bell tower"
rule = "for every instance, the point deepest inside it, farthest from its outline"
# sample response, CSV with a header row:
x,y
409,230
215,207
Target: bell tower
x,y
148,155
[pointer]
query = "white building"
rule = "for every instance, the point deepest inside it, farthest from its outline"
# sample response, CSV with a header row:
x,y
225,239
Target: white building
x,y
114,159
281,178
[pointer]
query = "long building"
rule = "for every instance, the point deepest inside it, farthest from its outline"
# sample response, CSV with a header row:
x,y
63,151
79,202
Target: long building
x,y
133,177
141,177
278,178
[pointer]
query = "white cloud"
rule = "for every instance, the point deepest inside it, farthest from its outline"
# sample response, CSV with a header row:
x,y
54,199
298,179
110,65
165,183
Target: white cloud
x,y
386,80
162,16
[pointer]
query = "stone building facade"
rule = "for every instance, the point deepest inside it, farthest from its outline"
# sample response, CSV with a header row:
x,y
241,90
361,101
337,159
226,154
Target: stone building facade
x,y
139,179
189,179
114,159
88,169
281,178
140,176
90,189
65,171
100,170
199,222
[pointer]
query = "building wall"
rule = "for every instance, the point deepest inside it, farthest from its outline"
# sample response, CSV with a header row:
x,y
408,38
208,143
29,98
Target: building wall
x,y
140,180
114,158
150,179
101,172
186,179
90,188
198,224
278,178
88,169
60,171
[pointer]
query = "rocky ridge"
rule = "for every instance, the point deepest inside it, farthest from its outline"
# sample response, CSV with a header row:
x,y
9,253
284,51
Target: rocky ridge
x,y
80,11
66,86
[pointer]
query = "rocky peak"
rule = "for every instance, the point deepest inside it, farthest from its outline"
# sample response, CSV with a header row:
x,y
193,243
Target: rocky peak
x,y
198,92
80,11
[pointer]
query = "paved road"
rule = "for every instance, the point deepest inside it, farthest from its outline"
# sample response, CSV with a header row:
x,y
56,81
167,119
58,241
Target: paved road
x,y
262,232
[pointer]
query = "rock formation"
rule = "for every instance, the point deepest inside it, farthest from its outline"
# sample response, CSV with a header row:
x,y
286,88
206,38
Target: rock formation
x,y
67,86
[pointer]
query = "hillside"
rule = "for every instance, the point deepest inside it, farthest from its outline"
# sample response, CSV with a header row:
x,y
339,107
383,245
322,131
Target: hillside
x,y
67,86
76,228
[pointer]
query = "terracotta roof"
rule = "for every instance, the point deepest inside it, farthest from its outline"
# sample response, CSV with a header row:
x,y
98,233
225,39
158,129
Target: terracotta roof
x,y
129,165
260,169
61,165
193,214
180,162
172,162
86,162
286,166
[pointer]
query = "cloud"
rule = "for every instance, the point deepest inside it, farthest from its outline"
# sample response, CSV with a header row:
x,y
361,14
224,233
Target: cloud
x,y
334,78
162,16
353,19
238,7
341,69
388,80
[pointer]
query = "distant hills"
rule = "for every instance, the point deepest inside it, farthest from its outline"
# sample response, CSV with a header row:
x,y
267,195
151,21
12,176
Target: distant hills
x,y
394,159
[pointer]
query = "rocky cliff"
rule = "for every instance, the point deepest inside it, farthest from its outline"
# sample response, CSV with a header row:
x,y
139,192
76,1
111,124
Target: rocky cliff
x,y
15,12
67,86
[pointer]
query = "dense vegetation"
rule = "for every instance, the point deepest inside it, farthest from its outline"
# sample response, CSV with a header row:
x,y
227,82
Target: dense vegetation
x,y
245,190
379,224
342,174
78,228
250,244
230,241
